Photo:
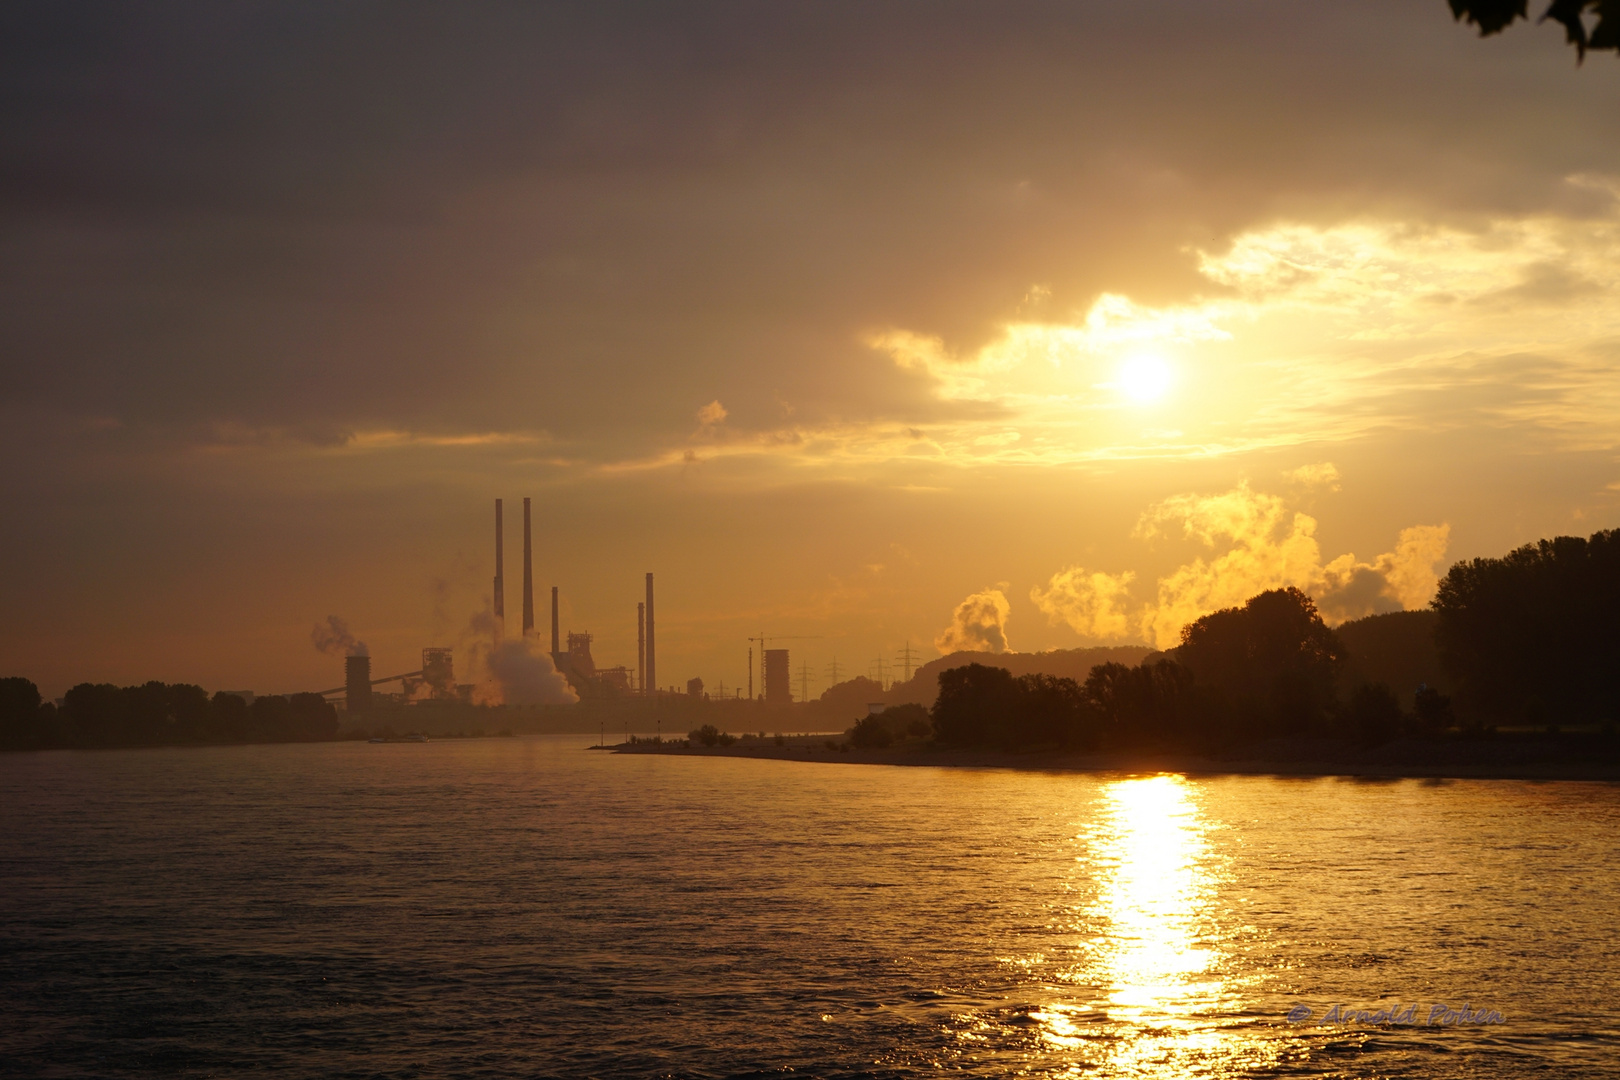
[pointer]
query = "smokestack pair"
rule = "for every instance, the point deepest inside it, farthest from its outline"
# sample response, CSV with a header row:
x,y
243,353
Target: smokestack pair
x,y
649,664
528,576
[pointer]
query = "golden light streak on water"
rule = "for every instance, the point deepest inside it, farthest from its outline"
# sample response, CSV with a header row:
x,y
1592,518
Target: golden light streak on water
x,y
1163,1002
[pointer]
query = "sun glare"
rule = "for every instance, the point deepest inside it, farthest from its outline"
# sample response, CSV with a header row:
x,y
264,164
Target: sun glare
x,y
1144,378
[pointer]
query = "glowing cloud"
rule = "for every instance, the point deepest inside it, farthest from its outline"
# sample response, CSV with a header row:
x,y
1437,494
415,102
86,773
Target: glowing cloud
x,y
1319,333
1038,360
979,624
1322,474
1257,543
1094,604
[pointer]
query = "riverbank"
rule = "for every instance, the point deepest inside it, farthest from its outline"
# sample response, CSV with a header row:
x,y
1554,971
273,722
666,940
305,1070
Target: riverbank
x,y
1471,759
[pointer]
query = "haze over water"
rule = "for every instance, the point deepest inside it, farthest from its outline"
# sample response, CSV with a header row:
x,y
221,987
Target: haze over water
x,y
529,908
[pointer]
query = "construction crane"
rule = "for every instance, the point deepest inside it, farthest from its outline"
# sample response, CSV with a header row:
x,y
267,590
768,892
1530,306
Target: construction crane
x,y
762,638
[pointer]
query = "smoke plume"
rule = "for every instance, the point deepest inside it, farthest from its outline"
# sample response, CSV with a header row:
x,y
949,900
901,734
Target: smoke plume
x,y
333,636
521,674
979,625
1255,542
512,671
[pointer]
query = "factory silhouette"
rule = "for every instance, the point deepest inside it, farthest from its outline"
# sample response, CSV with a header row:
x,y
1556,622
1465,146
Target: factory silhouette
x,y
603,691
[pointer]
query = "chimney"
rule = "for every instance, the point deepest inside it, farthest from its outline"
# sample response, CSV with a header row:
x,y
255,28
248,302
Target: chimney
x,y
528,575
556,640
641,647
357,681
500,586
652,663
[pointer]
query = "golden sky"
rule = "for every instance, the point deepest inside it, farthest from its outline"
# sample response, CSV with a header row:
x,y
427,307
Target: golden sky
x,y
1014,325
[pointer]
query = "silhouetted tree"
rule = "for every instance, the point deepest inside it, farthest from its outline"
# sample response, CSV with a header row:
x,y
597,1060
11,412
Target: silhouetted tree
x,y
21,720
228,718
988,706
890,726
1374,714
1151,705
870,733
1494,16
164,714
1535,635
972,705
909,721
1432,709
1273,658
312,718
96,714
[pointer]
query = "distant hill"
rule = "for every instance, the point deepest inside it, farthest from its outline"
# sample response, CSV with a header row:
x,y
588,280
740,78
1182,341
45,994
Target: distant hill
x,y
848,701
1396,649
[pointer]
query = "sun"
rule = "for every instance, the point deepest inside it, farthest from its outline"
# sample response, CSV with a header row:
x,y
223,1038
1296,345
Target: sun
x,y
1144,378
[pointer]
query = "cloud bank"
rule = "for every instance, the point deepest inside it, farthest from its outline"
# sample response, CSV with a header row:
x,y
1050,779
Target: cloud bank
x,y
1255,542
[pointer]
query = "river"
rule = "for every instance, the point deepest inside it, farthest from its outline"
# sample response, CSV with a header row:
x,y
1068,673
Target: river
x,y
527,907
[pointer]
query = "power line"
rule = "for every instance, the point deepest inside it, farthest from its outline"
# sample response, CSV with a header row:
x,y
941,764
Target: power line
x,y
907,658
878,671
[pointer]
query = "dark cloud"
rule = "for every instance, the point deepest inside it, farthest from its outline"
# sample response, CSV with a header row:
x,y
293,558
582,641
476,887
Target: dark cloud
x,y
578,217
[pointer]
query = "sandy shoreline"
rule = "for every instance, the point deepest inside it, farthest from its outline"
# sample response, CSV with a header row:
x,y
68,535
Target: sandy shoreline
x,y
1445,762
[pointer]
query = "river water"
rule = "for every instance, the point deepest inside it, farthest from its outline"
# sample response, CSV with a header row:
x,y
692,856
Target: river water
x,y
526,907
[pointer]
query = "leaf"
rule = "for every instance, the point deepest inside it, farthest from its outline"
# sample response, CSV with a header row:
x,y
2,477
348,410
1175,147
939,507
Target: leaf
x,y
1491,16
1606,34
1568,13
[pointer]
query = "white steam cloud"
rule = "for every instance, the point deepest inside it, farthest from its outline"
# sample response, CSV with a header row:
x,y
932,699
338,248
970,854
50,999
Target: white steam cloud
x,y
521,674
1093,603
513,671
1256,543
979,624
333,636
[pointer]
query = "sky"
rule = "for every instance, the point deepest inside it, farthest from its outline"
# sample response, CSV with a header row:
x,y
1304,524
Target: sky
x,y
865,326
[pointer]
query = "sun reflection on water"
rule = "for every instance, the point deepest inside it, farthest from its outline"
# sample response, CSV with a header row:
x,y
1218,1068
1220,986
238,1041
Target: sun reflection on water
x,y
1154,891
1162,1003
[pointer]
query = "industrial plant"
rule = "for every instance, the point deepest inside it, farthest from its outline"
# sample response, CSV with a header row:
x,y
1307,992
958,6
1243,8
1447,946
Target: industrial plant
x,y
434,684
603,692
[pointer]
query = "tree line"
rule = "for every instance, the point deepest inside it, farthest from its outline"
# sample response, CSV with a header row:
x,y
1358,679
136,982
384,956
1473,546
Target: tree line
x,y
1265,669
1532,638
155,714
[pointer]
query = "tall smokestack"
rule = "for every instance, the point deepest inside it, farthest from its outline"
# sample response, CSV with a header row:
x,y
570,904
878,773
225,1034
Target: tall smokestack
x,y
357,682
528,575
641,647
500,584
556,639
652,664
